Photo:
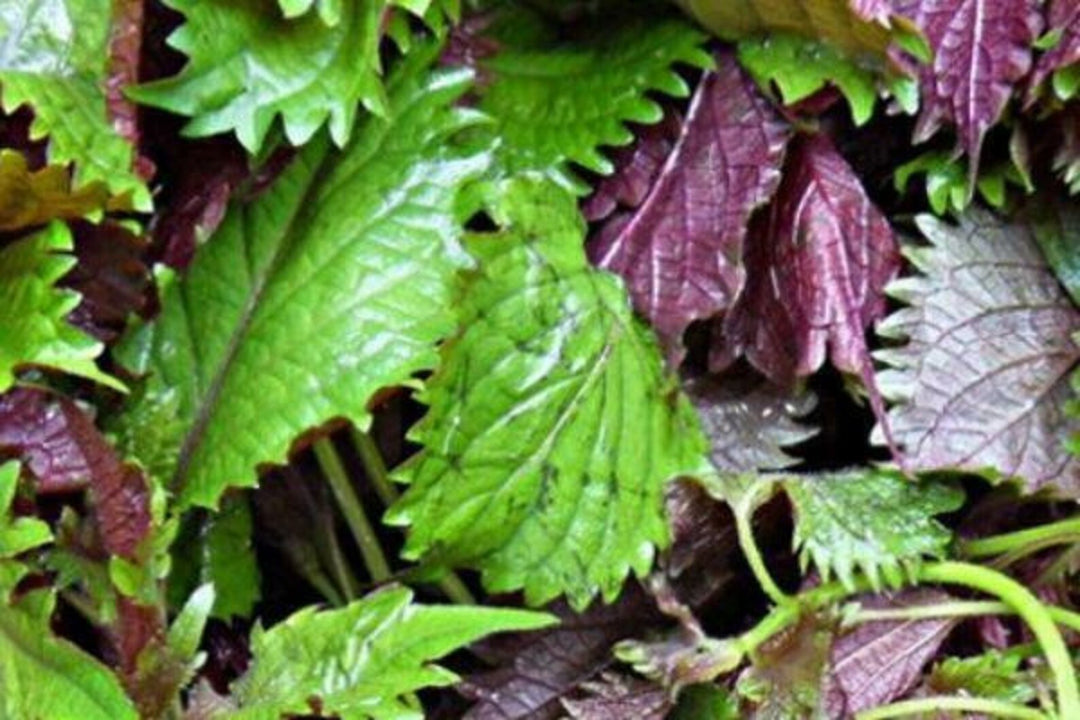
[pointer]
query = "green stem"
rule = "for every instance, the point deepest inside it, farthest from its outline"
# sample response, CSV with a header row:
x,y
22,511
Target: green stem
x,y
350,588
353,510
307,568
1061,532
455,590
744,529
959,608
1030,609
932,706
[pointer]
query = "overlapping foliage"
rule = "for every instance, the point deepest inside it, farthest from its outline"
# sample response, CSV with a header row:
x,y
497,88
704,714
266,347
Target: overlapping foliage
x,y
718,358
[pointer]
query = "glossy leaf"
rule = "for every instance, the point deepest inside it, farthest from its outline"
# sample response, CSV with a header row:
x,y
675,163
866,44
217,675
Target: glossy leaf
x,y
859,28
533,471
248,64
680,250
59,67
982,380
33,311
817,266
895,525
46,677
982,49
555,105
359,661
333,284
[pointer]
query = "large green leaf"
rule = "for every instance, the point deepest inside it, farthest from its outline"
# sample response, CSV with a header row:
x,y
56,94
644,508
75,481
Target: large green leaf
x,y
874,521
54,57
553,423
42,676
305,302
33,312
360,661
249,64
559,103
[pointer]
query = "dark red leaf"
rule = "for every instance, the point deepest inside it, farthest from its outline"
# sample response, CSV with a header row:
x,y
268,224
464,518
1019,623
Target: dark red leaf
x,y
636,168
680,251
111,277
1063,15
125,47
620,696
62,448
817,266
878,662
534,670
982,48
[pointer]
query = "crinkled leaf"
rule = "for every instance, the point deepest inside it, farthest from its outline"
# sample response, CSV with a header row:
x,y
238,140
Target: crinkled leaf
x,y
982,380
982,49
859,28
33,311
58,63
993,675
359,662
17,534
800,67
558,104
872,521
30,198
749,421
637,166
817,266
248,64
42,676
333,284
620,696
878,662
680,251
533,671
535,470
1059,62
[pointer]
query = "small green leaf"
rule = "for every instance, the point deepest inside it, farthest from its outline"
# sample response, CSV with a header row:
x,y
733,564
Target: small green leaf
x,y
873,521
360,662
558,104
42,676
58,65
17,535
800,67
1056,226
33,312
553,423
993,675
186,630
34,198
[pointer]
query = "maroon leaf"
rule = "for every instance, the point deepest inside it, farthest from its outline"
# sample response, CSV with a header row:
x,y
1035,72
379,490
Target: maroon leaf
x,y
983,378
704,556
125,47
881,661
982,48
64,451
110,276
636,168
534,670
817,266
680,251
620,696
1062,15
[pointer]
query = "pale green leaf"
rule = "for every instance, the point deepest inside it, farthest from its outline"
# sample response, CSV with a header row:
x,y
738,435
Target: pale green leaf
x,y
248,64
873,521
333,284
42,676
559,103
33,311
800,67
553,424
53,56
359,662
993,675
186,631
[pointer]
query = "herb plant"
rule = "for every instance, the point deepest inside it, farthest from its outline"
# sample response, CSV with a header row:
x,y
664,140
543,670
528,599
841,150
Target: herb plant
x,y
535,359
